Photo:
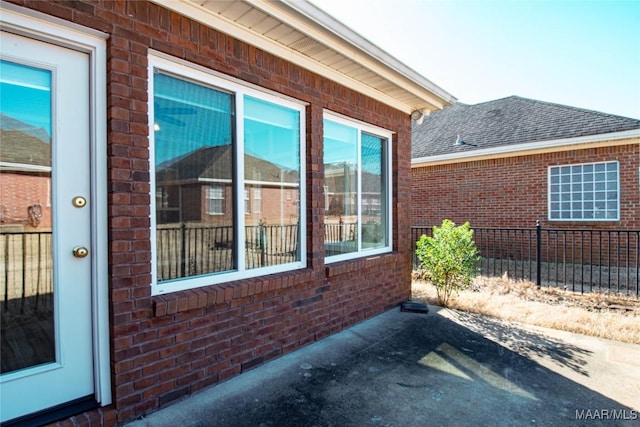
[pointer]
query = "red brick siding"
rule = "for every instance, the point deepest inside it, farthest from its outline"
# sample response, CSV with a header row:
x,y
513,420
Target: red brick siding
x,y
512,192
168,346
20,191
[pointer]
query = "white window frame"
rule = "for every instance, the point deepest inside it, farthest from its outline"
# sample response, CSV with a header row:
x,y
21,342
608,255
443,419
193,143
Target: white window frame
x,y
363,127
571,165
239,89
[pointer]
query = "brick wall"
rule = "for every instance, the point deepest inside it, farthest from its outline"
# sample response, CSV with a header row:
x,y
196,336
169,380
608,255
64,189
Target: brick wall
x,y
19,194
168,346
512,192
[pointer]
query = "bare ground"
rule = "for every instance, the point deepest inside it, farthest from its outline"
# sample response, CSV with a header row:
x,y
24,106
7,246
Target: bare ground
x,y
597,314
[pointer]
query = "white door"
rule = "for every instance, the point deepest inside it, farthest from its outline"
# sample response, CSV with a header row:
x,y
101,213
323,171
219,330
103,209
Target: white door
x,y
45,231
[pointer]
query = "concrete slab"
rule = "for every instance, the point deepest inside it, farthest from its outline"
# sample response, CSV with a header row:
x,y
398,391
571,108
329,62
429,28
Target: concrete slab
x,y
445,368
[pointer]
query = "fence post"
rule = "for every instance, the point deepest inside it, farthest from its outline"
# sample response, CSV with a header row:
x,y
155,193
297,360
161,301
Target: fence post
x,y
261,242
538,254
183,249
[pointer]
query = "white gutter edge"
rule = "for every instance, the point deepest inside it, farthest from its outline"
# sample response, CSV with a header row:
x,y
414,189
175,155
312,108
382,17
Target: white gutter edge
x,y
199,13
516,149
361,43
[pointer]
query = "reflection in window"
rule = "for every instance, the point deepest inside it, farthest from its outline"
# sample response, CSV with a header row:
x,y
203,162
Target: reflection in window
x,y
224,162
216,199
271,168
26,227
373,192
356,189
585,192
193,147
341,184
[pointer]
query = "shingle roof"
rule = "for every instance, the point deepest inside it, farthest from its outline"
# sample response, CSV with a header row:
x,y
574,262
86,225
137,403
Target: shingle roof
x,y
509,121
22,148
215,163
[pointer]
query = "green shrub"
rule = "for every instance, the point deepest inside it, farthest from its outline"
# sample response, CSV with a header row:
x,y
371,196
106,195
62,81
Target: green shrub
x,y
449,258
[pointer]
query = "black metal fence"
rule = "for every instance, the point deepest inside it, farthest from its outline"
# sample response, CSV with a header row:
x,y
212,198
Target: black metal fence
x,y
26,272
580,260
188,250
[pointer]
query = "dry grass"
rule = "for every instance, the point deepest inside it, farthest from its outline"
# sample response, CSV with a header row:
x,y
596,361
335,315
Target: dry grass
x,y
605,316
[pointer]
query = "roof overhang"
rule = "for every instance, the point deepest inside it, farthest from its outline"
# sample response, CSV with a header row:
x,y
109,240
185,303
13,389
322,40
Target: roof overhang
x,y
579,143
303,34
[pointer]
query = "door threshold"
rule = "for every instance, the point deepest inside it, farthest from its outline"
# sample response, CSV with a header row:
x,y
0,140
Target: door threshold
x,y
55,413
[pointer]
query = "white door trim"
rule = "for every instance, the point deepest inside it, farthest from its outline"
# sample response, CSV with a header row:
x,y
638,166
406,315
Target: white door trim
x,y
53,30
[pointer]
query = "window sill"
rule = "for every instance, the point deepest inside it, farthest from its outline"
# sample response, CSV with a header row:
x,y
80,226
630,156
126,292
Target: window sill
x,y
358,264
208,296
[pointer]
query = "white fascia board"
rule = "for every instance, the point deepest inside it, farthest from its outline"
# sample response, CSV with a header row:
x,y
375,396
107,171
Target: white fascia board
x,y
344,40
220,23
564,144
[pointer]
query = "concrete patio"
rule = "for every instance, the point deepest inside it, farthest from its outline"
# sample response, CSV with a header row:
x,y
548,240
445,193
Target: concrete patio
x,y
445,368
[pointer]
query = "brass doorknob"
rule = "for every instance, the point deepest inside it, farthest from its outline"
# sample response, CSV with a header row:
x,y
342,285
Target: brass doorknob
x,y
80,252
79,202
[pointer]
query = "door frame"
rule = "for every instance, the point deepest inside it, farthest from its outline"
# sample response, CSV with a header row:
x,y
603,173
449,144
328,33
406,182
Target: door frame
x,y
36,25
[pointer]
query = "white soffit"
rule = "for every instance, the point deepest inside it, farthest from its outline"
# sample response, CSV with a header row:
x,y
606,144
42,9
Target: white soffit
x,y
299,32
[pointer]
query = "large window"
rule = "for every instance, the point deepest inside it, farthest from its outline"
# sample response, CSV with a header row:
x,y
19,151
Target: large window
x,y
215,143
584,192
357,189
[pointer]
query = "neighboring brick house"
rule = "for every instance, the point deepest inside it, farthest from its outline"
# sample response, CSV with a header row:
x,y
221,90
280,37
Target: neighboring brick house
x,y
514,161
124,89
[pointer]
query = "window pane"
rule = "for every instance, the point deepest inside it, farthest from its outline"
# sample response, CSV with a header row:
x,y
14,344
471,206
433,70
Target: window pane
x,y
373,199
29,295
216,199
193,141
271,170
340,187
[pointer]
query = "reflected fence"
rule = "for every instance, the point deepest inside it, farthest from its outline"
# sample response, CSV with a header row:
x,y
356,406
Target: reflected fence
x,y
26,259
26,272
187,250
580,260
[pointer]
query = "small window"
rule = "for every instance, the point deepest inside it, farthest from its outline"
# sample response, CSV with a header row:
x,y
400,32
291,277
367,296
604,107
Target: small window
x,y
357,186
584,192
216,200
257,200
247,201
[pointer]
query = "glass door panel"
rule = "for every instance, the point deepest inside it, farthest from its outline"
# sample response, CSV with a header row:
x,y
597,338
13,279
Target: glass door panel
x,y
26,264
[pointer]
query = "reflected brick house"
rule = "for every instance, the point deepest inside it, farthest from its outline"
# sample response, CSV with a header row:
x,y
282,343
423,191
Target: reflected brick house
x,y
25,176
200,183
